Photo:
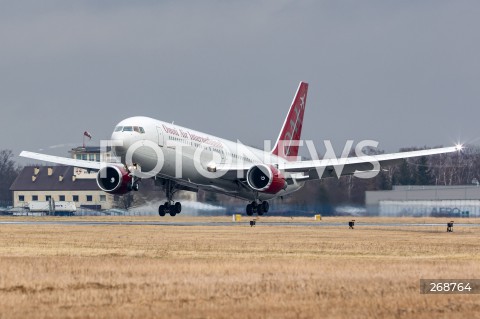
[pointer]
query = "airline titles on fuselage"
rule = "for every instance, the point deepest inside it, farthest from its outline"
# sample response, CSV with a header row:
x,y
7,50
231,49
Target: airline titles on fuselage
x,y
191,136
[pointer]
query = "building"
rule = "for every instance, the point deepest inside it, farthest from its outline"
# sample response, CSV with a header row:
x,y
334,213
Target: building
x,y
61,183
461,201
91,153
64,183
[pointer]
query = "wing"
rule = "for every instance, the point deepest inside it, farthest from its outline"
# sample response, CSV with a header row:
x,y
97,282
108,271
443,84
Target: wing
x,y
63,160
315,169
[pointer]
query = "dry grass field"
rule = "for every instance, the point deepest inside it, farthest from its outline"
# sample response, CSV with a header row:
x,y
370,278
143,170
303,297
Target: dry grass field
x,y
115,271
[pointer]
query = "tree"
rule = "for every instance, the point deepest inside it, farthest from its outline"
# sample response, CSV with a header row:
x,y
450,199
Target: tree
x,y
383,181
8,173
424,174
403,175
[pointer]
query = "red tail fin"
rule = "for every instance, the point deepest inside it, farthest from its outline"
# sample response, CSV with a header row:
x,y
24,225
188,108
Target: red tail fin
x,y
292,127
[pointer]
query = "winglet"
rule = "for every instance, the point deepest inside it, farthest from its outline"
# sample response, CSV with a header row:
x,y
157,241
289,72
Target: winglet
x,y
287,142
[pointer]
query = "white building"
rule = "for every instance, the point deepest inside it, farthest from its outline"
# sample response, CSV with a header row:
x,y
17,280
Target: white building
x,y
461,201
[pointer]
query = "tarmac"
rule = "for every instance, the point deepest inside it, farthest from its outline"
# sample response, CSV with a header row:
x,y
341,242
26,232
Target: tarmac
x,y
223,224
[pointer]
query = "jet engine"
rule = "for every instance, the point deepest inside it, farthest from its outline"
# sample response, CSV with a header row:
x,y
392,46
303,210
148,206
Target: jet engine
x,y
266,179
114,179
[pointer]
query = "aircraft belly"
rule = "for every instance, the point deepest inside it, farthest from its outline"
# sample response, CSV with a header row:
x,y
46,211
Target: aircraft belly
x,y
189,174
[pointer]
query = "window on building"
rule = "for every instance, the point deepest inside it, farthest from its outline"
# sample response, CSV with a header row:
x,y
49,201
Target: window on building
x,y
89,198
75,198
34,197
91,157
21,198
61,198
84,157
79,156
47,197
103,198
97,157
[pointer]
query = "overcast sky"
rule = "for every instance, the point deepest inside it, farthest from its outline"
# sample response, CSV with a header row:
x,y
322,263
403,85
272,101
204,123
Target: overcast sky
x,y
405,73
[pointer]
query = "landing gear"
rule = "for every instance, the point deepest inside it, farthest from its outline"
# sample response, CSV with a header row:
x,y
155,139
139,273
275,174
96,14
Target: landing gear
x,y
249,210
259,208
134,186
170,207
178,207
265,206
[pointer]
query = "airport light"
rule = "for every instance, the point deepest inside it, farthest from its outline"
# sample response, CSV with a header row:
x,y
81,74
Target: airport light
x,y
351,224
450,227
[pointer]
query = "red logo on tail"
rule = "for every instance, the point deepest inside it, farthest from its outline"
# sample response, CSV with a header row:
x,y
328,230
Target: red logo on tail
x,y
287,142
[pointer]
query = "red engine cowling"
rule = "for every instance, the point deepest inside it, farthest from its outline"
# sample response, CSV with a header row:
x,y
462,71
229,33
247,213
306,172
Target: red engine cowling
x,y
114,179
266,179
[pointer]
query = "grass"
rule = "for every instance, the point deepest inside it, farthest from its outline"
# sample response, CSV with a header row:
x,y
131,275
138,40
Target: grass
x,y
238,272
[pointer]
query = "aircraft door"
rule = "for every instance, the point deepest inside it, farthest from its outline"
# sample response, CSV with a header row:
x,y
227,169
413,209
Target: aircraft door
x,y
161,141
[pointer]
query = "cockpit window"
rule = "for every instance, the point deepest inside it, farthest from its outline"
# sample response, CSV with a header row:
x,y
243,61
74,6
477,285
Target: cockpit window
x,y
137,129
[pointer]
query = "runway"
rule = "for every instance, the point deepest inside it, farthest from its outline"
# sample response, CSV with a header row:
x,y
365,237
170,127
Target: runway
x,y
259,223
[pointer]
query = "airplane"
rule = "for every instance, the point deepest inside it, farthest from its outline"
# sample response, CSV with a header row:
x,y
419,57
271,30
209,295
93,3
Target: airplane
x,y
180,158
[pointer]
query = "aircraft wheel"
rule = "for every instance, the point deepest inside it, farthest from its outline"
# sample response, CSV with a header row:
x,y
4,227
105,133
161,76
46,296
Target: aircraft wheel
x,y
260,210
254,207
265,206
136,187
249,210
178,207
161,210
172,212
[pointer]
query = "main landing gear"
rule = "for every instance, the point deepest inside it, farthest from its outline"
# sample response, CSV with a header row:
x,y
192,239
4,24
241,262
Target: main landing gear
x,y
259,208
170,207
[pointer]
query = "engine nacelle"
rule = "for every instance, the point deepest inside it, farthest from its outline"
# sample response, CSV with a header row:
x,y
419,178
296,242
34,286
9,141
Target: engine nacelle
x,y
114,179
266,179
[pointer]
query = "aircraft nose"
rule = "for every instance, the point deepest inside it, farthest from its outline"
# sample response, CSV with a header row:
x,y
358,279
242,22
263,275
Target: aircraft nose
x,y
120,143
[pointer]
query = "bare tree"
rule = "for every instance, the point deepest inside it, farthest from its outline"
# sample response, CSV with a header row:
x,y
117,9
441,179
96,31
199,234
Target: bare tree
x,y
8,172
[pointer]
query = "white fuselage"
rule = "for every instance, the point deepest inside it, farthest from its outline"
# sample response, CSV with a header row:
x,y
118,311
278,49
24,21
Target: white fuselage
x,y
191,158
